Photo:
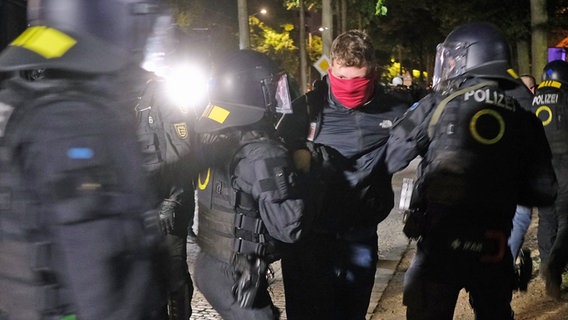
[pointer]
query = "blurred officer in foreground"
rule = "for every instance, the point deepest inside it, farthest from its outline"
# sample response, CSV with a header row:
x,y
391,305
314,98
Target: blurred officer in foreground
x,y
247,193
482,155
165,131
77,237
331,272
522,259
550,104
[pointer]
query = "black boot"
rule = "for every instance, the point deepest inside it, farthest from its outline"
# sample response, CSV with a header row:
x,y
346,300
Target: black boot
x,y
553,280
179,303
525,269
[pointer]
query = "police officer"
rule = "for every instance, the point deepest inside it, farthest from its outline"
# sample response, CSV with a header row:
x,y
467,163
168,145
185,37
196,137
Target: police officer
x,y
482,155
330,274
550,104
165,131
248,201
77,237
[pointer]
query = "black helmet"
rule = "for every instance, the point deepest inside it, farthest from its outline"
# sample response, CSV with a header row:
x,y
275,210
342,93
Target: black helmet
x,y
477,49
245,87
88,36
556,70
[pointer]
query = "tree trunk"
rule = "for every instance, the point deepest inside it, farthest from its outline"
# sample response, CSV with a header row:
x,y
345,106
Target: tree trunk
x,y
539,20
343,16
303,59
523,57
327,23
244,39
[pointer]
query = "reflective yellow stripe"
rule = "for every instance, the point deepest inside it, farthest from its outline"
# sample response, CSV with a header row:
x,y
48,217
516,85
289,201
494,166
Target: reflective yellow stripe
x,y
47,42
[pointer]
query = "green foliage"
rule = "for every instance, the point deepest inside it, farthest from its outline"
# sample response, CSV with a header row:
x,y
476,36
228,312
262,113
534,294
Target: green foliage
x,y
407,30
392,71
314,48
380,8
308,4
277,45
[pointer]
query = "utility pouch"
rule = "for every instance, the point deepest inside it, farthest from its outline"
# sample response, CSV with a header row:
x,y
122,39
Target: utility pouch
x,y
249,270
414,218
414,223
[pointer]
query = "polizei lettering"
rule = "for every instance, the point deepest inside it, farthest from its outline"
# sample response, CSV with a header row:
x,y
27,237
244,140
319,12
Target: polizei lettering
x,y
547,98
491,97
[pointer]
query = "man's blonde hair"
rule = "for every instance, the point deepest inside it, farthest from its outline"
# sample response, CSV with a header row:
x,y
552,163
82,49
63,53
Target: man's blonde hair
x,y
353,48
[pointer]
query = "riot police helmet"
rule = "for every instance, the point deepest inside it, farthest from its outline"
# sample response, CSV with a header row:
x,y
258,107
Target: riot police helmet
x,y
90,36
477,49
556,70
245,87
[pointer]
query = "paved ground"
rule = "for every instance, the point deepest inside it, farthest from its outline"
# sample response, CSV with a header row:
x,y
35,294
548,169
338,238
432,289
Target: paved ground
x,y
392,245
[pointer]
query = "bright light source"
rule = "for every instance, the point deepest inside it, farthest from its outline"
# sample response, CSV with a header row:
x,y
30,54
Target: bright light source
x,y
262,11
186,85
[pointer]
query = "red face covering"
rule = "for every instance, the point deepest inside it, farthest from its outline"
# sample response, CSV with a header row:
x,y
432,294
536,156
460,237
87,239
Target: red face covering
x,y
351,92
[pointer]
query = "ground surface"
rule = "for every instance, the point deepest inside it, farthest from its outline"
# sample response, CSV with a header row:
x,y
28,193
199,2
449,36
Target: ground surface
x,y
530,305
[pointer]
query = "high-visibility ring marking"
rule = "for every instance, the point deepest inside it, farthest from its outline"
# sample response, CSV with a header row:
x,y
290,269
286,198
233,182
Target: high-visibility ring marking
x,y
203,185
47,42
548,110
475,133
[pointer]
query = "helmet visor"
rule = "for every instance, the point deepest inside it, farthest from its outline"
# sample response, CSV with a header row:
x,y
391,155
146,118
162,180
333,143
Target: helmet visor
x,y
277,93
451,61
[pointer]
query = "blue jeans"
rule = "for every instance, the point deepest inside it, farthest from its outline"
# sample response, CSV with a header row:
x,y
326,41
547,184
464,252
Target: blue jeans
x,y
521,223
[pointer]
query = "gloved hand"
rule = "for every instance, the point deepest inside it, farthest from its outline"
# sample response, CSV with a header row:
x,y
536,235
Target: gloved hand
x,y
302,159
167,215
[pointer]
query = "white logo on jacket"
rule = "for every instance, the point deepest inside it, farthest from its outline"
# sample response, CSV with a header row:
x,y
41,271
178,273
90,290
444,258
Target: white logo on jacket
x,y
385,124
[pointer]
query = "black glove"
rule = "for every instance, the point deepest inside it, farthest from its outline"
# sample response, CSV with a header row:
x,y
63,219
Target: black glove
x,y
167,215
249,270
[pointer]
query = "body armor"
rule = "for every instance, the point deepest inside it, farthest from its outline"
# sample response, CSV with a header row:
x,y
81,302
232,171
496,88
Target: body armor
x,y
50,218
229,220
26,268
551,107
472,139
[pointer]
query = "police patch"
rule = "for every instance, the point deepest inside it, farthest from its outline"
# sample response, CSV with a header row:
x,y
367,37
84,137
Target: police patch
x,y
181,130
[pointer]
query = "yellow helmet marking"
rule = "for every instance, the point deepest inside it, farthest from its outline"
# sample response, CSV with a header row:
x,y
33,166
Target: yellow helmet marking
x,y
548,110
475,133
47,42
217,113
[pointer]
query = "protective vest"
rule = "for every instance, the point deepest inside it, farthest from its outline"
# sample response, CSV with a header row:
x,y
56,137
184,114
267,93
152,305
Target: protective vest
x,y
474,135
25,247
229,220
550,104
34,283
